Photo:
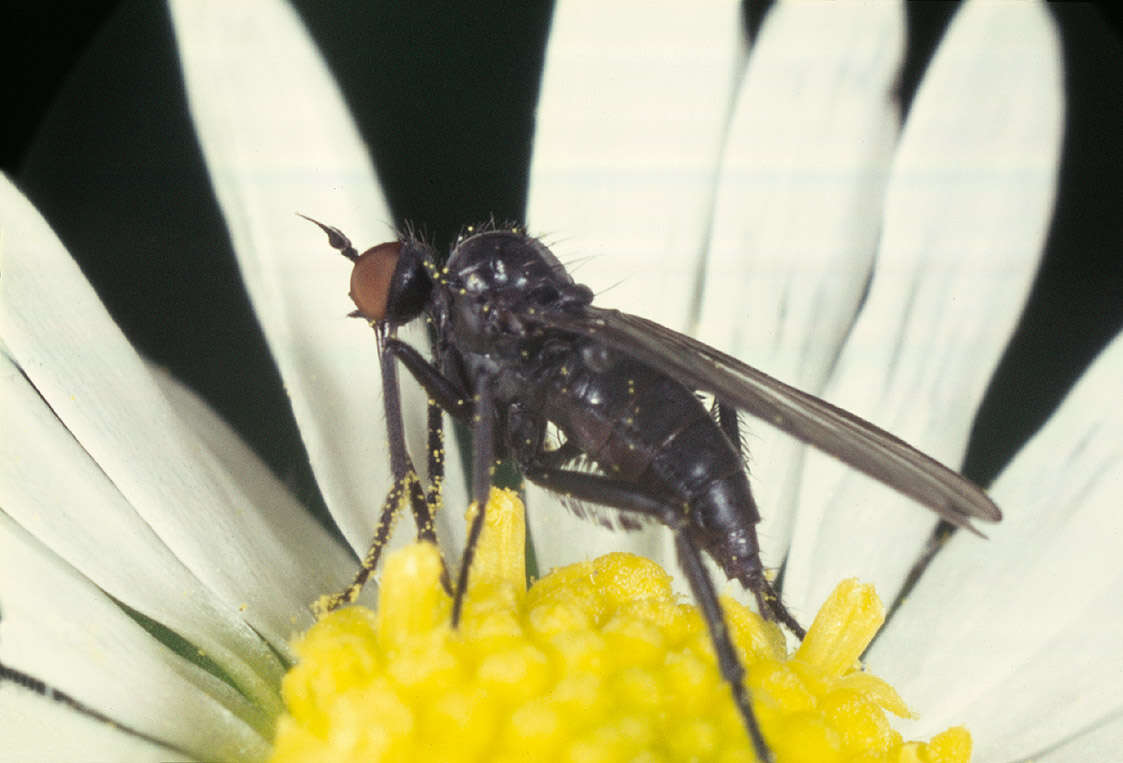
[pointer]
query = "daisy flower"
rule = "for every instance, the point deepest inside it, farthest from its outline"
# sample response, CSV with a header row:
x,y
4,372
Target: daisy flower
x,y
153,570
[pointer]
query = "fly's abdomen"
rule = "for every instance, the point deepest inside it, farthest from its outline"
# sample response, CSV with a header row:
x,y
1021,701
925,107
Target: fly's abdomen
x,y
618,416
714,489
656,433
641,426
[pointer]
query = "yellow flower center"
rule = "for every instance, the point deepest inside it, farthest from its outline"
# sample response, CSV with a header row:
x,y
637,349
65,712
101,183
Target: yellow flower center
x,y
598,661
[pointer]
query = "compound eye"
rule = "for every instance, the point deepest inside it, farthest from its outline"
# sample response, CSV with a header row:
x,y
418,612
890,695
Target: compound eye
x,y
371,277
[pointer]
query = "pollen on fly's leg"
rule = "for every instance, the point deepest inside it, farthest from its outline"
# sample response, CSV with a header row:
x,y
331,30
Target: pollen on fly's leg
x,y
387,517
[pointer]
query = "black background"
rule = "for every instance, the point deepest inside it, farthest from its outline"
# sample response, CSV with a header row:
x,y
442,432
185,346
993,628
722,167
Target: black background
x,y
96,132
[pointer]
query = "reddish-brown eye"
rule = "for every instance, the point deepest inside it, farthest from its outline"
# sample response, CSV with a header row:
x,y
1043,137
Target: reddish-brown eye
x,y
370,279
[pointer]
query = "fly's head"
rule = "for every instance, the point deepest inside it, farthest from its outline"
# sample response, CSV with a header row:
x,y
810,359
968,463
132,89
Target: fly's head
x,y
392,283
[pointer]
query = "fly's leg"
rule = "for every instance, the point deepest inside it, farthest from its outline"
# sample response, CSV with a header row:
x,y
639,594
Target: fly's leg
x,y
445,395
767,597
448,396
483,466
626,496
436,457
406,482
381,535
401,465
729,664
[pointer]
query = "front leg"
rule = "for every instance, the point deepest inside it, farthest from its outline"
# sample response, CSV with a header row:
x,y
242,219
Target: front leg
x,y
444,391
481,412
444,394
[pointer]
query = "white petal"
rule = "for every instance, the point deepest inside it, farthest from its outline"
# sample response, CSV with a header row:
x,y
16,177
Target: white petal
x,y
60,336
52,488
278,139
633,108
1069,685
64,631
260,483
1099,743
967,211
798,211
1020,635
37,728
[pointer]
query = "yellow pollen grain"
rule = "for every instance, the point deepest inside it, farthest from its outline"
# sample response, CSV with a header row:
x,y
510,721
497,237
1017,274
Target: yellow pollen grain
x,y
597,661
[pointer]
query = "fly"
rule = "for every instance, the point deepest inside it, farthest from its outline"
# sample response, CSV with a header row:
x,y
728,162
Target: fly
x,y
520,348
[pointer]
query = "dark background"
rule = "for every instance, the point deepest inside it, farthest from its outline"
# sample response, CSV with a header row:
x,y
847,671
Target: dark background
x,y
96,132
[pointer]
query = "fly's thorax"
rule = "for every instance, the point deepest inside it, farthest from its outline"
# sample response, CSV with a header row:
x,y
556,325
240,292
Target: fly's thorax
x,y
505,258
499,284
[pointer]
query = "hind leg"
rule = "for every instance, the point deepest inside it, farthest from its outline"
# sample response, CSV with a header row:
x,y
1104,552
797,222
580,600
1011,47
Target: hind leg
x,y
626,496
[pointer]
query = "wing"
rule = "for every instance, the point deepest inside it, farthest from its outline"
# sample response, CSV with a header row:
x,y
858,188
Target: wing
x,y
853,440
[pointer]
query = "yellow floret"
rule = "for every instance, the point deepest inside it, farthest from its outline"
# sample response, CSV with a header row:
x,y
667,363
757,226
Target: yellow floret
x,y
598,661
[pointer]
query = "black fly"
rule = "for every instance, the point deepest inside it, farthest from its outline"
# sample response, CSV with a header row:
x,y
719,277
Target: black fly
x,y
520,346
